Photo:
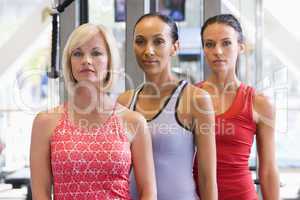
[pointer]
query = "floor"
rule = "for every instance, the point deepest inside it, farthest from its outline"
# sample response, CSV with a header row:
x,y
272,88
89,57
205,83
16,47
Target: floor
x,y
290,189
291,184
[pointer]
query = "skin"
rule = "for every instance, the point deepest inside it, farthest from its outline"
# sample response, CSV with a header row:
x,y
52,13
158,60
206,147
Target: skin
x,y
153,47
92,51
221,49
89,66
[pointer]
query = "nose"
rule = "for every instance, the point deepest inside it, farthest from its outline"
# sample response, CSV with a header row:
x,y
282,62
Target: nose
x,y
87,59
149,51
218,50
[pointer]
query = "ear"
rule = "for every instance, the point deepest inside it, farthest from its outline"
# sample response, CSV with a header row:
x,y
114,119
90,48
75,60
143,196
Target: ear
x,y
175,48
242,48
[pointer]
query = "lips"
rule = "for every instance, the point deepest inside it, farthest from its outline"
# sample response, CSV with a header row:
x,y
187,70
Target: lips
x,y
86,70
149,62
219,61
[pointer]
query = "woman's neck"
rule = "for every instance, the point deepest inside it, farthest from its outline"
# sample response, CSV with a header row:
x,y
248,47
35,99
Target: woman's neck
x,y
91,101
159,82
224,82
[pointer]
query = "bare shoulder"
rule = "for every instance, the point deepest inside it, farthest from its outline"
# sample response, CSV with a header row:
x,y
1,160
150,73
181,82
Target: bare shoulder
x,y
263,109
194,94
49,115
132,120
131,117
46,121
263,104
125,98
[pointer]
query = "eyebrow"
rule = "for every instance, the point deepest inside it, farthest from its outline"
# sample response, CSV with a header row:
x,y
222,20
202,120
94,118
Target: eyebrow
x,y
94,48
159,34
227,38
156,35
98,47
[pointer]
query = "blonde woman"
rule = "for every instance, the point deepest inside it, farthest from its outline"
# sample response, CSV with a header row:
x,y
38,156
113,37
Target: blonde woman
x,y
84,148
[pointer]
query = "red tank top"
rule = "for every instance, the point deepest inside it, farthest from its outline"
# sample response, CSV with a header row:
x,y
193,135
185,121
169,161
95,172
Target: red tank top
x,y
90,164
235,130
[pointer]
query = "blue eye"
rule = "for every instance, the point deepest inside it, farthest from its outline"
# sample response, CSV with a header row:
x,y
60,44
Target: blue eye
x,y
96,53
77,54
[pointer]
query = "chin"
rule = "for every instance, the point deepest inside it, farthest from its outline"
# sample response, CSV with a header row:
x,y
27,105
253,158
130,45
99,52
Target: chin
x,y
87,81
220,68
90,78
152,71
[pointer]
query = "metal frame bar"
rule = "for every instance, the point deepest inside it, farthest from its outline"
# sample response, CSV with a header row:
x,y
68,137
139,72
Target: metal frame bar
x,y
134,75
259,32
83,11
259,19
69,20
210,8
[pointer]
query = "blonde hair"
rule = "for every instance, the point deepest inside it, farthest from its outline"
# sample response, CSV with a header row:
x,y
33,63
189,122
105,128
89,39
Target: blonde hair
x,y
77,38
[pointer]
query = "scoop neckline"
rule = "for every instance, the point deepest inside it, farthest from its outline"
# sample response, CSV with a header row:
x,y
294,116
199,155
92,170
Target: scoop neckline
x,y
164,105
73,125
229,111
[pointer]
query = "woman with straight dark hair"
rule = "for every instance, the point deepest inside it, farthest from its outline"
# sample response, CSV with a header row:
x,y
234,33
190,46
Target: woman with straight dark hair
x,y
240,114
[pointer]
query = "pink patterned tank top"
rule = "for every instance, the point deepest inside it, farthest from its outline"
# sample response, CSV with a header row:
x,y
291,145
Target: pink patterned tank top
x,y
90,164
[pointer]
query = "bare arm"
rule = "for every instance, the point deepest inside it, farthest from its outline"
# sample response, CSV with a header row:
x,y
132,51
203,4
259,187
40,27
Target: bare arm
x,y
142,157
40,168
204,130
268,172
125,98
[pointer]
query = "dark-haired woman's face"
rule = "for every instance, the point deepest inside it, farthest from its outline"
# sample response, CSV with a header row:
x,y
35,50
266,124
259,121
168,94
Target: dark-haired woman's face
x,y
221,47
153,45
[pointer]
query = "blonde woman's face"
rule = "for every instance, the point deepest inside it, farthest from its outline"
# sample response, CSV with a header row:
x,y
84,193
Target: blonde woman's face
x,y
89,62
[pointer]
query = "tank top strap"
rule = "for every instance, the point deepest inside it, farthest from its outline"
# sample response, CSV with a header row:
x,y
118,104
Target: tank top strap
x,y
176,95
135,95
64,115
199,84
170,103
63,119
115,108
247,95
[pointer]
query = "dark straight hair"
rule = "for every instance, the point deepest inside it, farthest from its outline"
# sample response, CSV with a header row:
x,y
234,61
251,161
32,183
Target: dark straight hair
x,y
164,18
227,19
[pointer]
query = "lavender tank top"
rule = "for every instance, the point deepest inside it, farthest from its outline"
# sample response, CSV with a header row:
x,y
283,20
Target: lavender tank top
x,y
173,151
